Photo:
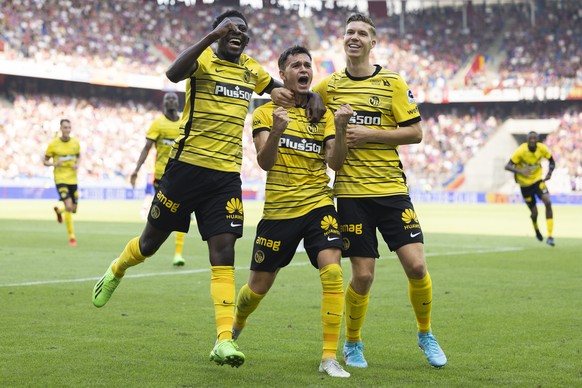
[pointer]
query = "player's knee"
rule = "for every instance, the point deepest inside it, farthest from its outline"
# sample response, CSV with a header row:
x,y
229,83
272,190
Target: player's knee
x,y
331,273
363,280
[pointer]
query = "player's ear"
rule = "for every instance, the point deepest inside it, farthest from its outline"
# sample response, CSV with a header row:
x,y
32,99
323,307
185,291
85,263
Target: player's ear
x,y
373,43
282,75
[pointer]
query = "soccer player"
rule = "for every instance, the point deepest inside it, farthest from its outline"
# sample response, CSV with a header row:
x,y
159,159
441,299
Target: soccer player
x,y
65,152
298,200
203,172
526,165
371,188
162,133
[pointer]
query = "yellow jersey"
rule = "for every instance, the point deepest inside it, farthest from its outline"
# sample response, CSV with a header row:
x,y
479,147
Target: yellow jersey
x,y
298,182
382,102
217,101
163,132
524,158
66,152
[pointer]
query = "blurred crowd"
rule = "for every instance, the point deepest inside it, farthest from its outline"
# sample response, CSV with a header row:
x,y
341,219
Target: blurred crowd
x,y
431,48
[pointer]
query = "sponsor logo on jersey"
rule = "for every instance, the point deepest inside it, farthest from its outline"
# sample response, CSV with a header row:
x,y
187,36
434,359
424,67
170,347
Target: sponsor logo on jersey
x,y
331,228
361,117
374,101
411,99
233,91
173,206
168,142
300,144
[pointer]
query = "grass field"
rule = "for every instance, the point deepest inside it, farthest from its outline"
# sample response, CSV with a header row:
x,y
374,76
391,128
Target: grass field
x,y
506,307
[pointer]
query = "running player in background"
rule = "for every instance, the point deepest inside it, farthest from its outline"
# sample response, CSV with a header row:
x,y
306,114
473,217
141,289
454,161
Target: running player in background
x,y
371,188
527,167
298,201
203,173
65,152
162,133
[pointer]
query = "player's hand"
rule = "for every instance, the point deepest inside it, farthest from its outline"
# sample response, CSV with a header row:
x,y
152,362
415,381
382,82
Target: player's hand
x,y
226,26
280,121
525,171
342,116
315,107
283,97
357,134
132,179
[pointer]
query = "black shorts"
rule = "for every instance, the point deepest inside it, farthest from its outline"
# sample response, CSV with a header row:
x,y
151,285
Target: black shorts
x,y
276,240
393,216
215,197
67,191
530,193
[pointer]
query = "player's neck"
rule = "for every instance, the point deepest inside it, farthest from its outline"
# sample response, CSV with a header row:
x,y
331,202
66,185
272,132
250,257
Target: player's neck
x,y
300,100
360,67
65,138
172,115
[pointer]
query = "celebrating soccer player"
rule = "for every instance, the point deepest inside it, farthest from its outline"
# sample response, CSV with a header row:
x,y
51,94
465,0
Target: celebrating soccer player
x,y
203,173
371,188
298,201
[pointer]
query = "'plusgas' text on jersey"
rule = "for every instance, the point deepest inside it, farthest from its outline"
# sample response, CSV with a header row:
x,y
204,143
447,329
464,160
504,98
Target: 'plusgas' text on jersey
x,y
383,102
217,101
298,182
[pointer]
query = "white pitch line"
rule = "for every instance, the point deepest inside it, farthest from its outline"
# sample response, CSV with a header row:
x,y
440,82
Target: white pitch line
x,y
191,271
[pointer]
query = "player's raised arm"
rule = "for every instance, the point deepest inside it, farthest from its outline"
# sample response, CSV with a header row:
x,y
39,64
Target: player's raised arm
x,y
187,62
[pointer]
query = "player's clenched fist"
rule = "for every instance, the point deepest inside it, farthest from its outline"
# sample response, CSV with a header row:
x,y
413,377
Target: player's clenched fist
x,y
280,121
342,116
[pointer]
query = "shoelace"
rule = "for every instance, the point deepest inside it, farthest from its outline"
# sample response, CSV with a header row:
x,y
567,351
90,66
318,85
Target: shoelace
x,y
429,343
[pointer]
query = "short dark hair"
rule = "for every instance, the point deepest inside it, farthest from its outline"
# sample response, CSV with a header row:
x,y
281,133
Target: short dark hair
x,y
64,121
293,50
227,14
532,133
358,17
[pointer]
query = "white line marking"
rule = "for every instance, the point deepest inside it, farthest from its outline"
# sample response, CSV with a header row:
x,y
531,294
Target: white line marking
x,y
202,270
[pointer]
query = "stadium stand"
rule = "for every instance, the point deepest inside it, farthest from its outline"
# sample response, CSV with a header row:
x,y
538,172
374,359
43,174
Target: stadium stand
x,y
470,69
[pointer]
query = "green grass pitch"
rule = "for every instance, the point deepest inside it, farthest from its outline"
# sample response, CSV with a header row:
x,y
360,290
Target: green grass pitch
x,y
506,307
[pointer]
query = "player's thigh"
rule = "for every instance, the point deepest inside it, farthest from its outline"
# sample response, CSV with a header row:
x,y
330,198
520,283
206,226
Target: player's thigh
x,y
358,227
398,222
275,244
321,232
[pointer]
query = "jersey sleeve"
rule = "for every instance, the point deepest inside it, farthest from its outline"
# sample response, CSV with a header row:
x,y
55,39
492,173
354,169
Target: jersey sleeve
x,y
262,119
516,157
329,130
404,105
546,152
153,132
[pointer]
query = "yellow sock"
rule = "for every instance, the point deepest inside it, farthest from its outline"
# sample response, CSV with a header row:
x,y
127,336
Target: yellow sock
x,y
356,307
68,217
180,242
332,307
420,293
246,302
130,256
550,222
223,294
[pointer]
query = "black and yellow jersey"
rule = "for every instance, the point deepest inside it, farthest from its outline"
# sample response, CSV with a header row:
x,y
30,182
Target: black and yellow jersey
x,y
524,158
381,101
298,182
217,101
163,132
67,153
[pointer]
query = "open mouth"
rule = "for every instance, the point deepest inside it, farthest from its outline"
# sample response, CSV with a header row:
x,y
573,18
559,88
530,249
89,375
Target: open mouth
x,y
303,80
235,42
